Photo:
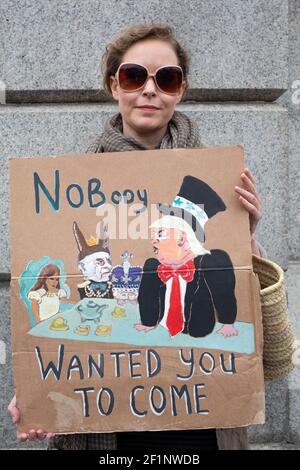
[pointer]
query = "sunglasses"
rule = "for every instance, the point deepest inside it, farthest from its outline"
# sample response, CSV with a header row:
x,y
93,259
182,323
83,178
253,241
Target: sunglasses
x,y
132,77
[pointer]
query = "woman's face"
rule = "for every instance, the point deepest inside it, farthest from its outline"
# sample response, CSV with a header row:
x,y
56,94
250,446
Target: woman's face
x,y
138,118
52,282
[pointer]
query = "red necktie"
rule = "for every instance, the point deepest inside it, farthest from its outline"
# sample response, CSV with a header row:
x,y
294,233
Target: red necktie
x,y
175,319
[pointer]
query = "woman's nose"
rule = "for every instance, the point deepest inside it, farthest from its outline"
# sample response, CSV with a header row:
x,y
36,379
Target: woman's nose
x,y
150,87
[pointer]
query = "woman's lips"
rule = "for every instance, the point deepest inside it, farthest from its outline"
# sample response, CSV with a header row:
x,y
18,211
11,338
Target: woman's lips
x,y
148,108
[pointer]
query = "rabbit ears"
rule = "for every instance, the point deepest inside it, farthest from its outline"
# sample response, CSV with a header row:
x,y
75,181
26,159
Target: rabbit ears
x,y
85,247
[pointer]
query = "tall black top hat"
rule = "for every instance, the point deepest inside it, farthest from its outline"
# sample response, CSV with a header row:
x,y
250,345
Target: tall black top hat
x,y
196,202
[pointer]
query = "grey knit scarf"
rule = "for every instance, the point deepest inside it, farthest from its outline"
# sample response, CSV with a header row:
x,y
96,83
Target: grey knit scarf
x,y
181,133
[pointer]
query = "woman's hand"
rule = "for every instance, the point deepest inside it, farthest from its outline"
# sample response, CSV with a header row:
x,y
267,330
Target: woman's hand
x,y
33,435
251,202
249,198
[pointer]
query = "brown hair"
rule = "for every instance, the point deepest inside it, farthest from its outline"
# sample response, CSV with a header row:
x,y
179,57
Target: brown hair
x,y
116,49
48,271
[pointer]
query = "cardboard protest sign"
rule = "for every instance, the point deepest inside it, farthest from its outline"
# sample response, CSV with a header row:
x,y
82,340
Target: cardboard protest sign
x,y
134,304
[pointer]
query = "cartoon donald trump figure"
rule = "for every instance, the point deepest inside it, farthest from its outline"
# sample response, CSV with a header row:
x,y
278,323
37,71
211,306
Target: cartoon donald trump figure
x,y
186,288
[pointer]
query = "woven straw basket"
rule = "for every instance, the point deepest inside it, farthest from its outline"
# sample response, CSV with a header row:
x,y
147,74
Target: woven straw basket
x,y
279,339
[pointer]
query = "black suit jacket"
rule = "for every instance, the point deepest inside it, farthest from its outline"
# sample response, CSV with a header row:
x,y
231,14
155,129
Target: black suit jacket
x,y
209,296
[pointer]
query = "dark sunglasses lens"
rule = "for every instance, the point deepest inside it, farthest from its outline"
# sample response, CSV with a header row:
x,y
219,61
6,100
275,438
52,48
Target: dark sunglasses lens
x,y
169,79
132,77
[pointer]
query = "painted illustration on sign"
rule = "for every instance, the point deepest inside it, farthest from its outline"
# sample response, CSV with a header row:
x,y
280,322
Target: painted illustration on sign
x,y
43,288
186,292
184,289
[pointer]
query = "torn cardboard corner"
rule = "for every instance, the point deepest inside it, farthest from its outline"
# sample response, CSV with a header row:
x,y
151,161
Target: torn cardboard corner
x,y
134,305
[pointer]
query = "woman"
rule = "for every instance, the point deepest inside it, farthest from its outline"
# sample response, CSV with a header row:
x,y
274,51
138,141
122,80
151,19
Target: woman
x,y
145,70
46,293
